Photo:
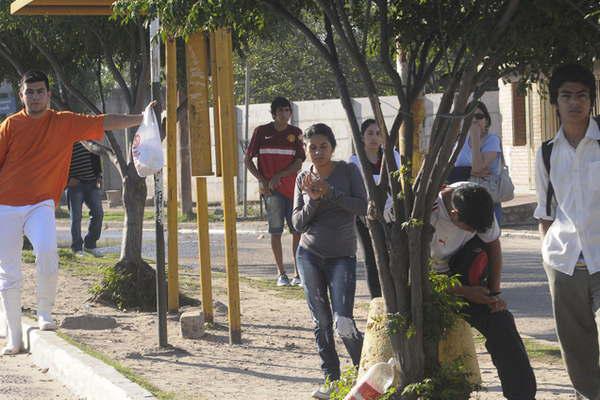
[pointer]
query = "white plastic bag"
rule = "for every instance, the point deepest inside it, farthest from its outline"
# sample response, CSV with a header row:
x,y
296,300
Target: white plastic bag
x,y
147,150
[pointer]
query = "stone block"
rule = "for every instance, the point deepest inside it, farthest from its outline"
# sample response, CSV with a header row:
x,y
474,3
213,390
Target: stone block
x,y
191,324
89,322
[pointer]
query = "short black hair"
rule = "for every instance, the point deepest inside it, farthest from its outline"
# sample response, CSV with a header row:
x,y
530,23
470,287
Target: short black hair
x,y
34,76
474,205
485,112
279,102
323,130
571,73
366,123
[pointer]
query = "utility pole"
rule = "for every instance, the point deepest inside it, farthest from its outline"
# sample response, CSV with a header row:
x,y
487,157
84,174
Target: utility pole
x,y
161,290
246,128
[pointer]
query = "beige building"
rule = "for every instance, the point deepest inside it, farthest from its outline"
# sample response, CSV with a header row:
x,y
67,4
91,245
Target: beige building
x,y
528,119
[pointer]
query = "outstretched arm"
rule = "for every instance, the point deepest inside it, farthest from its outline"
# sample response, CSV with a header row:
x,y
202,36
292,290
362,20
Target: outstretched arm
x,y
115,122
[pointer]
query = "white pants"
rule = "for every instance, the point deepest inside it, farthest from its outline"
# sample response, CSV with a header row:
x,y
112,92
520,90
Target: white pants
x,y
38,224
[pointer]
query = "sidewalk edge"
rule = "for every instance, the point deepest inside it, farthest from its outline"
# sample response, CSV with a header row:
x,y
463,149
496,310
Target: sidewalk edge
x,y
81,373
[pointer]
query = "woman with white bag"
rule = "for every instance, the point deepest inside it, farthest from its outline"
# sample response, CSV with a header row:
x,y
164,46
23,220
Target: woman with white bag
x,y
481,154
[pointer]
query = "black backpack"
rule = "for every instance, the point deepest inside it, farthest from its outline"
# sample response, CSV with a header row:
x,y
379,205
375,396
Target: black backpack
x,y
470,262
546,152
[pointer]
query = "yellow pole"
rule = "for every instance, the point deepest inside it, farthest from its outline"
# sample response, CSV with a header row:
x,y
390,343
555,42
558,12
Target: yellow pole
x,y
196,55
418,111
173,262
227,123
204,248
216,111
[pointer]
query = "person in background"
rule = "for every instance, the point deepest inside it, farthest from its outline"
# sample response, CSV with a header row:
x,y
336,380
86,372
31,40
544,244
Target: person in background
x,y
481,152
278,147
327,199
84,187
569,224
372,142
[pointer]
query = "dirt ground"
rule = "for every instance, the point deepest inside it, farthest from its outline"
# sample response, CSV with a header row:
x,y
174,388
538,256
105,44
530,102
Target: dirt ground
x,y
276,360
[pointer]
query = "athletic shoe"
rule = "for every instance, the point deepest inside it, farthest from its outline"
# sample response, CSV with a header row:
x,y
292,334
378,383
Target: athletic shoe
x,y
322,392
79,253
283,280
296,281
94,252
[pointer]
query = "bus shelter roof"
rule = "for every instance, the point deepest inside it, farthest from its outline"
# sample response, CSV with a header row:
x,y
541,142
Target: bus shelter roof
x,y
61,7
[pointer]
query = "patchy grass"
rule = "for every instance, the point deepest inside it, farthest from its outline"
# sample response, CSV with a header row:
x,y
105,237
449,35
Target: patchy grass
x,y
215,214
542,351
87,265
128,373
189,283
285,292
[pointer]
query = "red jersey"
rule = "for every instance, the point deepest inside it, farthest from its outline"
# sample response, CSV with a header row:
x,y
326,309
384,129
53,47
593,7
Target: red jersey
x,y
276,150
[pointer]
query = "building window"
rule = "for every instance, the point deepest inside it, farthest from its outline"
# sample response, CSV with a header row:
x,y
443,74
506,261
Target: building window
x,y
519,116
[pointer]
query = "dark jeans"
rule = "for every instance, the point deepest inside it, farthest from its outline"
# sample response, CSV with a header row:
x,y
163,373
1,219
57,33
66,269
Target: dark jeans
x,y
334,278
364,239
507,350
89,194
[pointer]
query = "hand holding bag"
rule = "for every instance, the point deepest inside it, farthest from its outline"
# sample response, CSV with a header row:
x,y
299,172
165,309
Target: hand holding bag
x,y
500,187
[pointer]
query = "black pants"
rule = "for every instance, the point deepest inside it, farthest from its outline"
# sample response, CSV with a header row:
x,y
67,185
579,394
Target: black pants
x,y
504,344
364,239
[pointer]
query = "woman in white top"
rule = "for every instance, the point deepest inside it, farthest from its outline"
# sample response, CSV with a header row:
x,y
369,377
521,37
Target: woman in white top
x,y
372,141
481,151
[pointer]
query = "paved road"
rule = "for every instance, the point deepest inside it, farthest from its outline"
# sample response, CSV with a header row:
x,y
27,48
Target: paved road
x,y
524,280
21,379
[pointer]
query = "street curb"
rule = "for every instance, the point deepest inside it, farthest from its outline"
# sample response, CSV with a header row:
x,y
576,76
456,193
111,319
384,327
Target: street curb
x,y
86,376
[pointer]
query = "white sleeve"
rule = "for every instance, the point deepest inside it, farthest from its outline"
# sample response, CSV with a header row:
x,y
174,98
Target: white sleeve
x,y
541,188
491,234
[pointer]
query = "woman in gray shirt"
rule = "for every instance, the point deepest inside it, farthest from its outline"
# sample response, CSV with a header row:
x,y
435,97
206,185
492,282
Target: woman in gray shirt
x,y
327,199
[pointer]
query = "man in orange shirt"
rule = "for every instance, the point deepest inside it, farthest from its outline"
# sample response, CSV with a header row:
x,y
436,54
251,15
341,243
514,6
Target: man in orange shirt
x,y
35,153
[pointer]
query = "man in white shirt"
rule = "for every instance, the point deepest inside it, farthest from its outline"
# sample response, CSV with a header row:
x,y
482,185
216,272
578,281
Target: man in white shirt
x,y
462,212
570,225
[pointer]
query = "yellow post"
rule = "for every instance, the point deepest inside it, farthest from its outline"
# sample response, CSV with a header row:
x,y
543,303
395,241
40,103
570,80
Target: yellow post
x,y
418,111
216,111
224,99
173,262
198,113
204,248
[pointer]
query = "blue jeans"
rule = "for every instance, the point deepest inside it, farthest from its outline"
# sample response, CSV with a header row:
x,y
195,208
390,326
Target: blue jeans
x,y
87,193
334,278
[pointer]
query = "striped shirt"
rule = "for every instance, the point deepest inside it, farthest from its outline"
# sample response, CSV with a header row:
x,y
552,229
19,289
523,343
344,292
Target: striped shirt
x,y
82,166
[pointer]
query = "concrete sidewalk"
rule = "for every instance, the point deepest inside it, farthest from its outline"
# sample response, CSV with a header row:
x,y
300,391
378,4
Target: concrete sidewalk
x,y
82,375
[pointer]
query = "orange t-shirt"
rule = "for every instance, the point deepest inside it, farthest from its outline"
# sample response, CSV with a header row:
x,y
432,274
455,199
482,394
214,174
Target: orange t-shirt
x,y
35,154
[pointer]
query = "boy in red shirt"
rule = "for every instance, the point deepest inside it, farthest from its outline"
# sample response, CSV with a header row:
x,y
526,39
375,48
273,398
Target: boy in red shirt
x,y
280,152
35,153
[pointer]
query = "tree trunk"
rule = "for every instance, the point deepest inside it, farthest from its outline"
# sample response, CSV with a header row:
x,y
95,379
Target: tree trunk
x,y
185,173
133,283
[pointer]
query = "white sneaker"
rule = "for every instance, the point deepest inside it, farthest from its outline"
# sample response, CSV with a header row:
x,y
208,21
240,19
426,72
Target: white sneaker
x,y
296,281
323,392
283,280
45,322
94,252
78,253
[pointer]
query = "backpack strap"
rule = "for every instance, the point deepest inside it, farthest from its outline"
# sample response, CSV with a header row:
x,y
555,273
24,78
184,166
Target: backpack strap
x,y
546,152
